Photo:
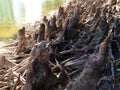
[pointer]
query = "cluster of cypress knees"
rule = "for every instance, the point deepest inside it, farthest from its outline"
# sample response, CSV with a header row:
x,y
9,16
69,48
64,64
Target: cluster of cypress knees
x,y
77,49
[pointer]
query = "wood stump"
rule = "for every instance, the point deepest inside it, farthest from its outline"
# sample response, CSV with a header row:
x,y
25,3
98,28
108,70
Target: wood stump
x,y
21,41
39,76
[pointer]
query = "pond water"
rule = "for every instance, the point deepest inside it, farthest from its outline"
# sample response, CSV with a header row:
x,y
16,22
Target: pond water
x,y
16,13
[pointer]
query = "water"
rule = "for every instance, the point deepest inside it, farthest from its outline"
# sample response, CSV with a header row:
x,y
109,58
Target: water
x,y
16,13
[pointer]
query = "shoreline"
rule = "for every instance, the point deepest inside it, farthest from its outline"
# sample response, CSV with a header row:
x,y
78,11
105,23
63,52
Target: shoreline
x,y
23,20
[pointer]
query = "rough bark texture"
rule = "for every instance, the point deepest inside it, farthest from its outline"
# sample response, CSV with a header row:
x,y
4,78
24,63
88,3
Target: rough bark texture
x,y
21,41
77,49
39,71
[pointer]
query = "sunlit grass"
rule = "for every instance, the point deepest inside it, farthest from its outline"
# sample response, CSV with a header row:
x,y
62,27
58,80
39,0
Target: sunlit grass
x,y
8,33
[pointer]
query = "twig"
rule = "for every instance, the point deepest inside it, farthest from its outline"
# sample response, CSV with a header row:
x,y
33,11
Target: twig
x,y
4,88
67,60
62,69
16,82
21,78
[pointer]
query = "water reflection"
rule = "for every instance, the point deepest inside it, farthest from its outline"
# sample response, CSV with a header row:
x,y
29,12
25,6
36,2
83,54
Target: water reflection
x,y
30,10
6,13
15,13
